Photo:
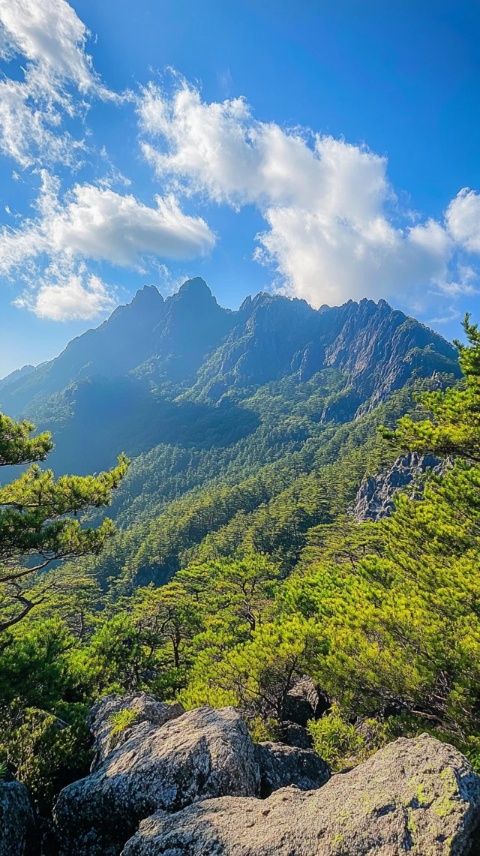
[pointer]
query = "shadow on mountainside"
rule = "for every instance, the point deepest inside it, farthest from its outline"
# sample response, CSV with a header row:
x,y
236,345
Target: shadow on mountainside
x,y
93,421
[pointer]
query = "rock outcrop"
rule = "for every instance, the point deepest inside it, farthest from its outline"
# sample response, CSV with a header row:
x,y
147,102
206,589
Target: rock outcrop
x,y
17,821
304,701
376,495
203,753
142,708
282,765
415,796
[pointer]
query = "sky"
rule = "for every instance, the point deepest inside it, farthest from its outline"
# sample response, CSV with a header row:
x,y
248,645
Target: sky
x,y
323,151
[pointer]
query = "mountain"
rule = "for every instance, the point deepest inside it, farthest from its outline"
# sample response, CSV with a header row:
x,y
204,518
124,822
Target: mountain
x,y
189,342
233,419
182,371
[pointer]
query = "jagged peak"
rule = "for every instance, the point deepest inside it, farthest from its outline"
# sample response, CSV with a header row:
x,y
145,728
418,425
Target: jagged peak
x,y
148,295
268,298
195,287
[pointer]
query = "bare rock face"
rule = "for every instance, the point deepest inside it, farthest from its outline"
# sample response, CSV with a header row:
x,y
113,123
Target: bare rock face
x,y
415,796
142,708
282,765
203,753
376,495
17,821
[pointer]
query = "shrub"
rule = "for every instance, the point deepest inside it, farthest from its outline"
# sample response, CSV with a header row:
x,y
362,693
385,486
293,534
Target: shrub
x,y
342,744
42,751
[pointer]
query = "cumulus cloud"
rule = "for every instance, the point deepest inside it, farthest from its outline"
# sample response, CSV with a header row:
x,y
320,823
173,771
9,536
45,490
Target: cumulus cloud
x,y
333,229
49,39
77,297
102,224
98,223
463,219
51,35
93,222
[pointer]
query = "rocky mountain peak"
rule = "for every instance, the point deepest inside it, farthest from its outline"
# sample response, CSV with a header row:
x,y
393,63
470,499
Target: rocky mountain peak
x,y
147,298
195,291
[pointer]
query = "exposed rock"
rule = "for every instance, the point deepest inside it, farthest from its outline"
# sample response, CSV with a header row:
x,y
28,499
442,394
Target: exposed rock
x,y
293,734
304,702
376,494
203,753
282,765
415,796
17,821
142,706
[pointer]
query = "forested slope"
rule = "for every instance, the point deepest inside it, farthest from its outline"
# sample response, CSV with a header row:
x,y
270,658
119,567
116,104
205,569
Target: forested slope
x,y
236,566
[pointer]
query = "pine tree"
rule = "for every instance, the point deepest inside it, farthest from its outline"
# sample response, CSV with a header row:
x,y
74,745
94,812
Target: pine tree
x,y
39,522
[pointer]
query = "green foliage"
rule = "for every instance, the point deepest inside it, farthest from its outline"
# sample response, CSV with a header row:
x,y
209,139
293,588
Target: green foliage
x,y
121,720
255,675
17,446
230,592
38,522
38,527
341,743
114,660
33,664
453,424
44,752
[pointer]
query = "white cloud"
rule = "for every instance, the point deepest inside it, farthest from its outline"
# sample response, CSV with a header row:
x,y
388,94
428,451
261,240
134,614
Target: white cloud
x,y
463,219
102,224
29,127
51,35
50,40
48,252
98,223
78,297
450,314
333,228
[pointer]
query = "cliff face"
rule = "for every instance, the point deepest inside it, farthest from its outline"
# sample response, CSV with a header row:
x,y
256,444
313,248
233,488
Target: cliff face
x,y
376,495
377,348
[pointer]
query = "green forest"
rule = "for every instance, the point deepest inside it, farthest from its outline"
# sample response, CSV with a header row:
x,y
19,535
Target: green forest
x,y
246,572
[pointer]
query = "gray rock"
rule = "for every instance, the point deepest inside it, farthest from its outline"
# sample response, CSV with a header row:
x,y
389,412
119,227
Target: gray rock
x,y
304,701
295,735
17,821
144,707
203,753
376,495
282,765
415,796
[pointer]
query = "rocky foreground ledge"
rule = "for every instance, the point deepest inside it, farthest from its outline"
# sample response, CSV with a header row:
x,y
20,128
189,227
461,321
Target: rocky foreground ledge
x,y
172,782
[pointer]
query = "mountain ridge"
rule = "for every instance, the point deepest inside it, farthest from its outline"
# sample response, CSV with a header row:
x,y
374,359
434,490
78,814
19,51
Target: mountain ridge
x,y
151,314
169,370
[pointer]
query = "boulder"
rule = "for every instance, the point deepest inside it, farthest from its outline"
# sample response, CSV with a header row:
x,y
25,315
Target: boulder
x,y
141,706
203,753
282,765
304,702
414,796
17,821
295,735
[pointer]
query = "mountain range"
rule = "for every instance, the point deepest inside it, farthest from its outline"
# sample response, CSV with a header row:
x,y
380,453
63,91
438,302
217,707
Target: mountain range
x,y
182,370
247,429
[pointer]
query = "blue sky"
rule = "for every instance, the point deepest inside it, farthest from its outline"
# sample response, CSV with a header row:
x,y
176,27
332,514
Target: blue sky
x,y
326,151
